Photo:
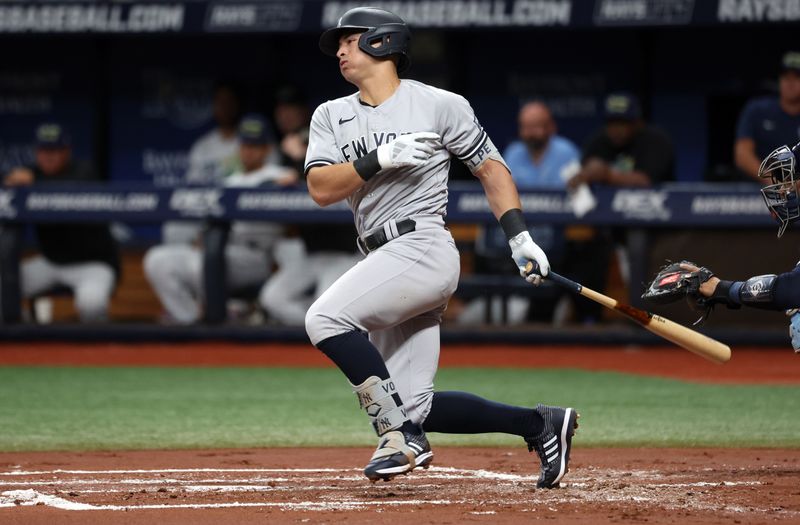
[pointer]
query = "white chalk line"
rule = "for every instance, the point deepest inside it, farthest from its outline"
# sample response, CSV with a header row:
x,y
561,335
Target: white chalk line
x,y
442,472
434,473
576,482
237,488
162,481
157,481
31,497
173,470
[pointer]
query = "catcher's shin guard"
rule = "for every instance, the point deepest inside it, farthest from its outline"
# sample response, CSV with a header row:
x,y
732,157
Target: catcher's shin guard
x,y
400,450
553,444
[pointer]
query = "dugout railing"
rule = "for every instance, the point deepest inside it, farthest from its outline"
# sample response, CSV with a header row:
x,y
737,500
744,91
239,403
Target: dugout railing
x,y
724,208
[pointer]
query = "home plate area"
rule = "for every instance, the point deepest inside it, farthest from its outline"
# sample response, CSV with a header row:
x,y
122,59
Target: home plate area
x,y
657,485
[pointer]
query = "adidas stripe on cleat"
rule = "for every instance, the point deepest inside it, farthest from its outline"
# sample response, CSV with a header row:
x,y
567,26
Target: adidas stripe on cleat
x,y
554,443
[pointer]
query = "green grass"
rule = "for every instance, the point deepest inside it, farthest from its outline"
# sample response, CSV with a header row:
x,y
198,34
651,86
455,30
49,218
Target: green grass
x,y
139,408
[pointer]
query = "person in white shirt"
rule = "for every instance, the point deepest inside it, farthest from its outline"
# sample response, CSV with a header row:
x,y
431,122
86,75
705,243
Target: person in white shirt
x,y
212,157
175,271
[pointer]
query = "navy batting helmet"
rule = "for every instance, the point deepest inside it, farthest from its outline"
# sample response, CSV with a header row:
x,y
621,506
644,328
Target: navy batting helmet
x,y
376,26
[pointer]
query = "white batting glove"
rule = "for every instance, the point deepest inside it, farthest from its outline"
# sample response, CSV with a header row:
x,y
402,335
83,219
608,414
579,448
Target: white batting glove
x,y
523,250
413,149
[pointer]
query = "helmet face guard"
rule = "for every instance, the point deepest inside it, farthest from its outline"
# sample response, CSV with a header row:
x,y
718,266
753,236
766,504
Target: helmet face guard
x,y
781,196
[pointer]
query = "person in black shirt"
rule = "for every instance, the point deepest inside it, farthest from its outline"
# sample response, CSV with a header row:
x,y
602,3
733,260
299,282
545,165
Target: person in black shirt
x,y
292,116
627,151
82,257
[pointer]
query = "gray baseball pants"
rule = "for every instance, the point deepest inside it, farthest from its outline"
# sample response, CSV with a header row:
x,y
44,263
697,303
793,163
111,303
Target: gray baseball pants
x,y
397,294
91,282
175,272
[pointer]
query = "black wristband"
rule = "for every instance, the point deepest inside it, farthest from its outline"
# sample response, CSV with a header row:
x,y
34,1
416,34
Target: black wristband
x,y
368,165
722,295
513,222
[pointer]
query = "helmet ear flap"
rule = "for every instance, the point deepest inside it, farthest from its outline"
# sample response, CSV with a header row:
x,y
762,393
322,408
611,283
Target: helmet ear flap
x,y
368,40
394,39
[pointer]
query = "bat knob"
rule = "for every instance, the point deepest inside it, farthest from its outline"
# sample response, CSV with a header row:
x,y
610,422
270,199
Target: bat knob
x,y
531,267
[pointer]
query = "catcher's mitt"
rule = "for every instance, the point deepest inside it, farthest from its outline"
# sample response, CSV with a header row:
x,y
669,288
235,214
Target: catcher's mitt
x,y
674,282
681,280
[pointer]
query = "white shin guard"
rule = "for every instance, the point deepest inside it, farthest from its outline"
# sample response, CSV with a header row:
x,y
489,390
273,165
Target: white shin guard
x,y
376,396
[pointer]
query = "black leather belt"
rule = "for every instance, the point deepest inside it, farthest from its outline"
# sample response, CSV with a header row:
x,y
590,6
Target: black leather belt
x,y
375,240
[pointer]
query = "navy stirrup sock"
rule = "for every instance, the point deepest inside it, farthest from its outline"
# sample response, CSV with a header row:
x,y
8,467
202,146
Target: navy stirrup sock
x,y
451,412
359,360
355,356
463,413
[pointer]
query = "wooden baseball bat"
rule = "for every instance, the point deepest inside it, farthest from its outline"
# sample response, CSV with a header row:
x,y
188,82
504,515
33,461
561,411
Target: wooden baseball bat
x,y
682,336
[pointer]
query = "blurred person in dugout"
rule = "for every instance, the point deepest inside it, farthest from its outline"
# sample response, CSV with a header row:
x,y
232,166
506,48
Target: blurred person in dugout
x,y
768,122
292,118
539,159
625,152
212,157
175,271
312,256
81,257
308,263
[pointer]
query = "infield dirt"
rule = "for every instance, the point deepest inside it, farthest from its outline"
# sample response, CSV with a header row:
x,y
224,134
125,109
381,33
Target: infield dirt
x,y
466,485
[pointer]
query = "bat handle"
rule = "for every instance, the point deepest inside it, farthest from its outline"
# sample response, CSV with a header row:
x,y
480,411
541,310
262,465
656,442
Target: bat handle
x,y
556,278
563,281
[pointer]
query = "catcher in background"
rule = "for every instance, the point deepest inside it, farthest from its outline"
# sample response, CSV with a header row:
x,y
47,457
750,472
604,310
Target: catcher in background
x,y
771,292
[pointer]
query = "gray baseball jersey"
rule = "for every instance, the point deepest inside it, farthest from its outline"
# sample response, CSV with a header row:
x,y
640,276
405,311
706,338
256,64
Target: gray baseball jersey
x,y
345,129
398,292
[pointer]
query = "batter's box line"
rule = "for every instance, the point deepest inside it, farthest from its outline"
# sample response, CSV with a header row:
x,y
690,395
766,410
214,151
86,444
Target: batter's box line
x,y
441,471
214,489
169,470
31,497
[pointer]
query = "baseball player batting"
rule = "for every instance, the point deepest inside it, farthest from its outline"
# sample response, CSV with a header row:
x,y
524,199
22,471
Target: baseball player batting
x,y
773,292
386,150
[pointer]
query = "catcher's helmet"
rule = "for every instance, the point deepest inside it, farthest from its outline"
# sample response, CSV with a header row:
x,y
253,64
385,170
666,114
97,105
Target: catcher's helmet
x,y
781,196
376,25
